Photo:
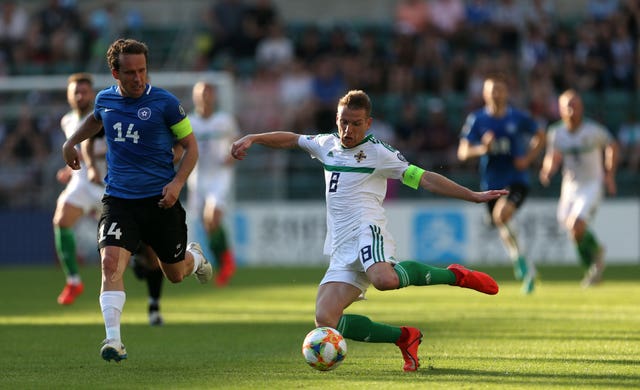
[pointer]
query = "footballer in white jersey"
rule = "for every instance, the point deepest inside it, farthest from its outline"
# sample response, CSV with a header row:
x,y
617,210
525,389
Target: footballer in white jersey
x,y
589,157
211,181
213,174
582,167
80,191
80,195
357,167
356,185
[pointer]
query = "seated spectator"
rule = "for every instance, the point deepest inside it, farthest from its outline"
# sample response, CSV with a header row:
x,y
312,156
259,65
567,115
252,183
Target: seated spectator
x,y
14,21
629,138
222,21
310,46
265,14
296,95
276,49
447,16
328,87
23,153
411,17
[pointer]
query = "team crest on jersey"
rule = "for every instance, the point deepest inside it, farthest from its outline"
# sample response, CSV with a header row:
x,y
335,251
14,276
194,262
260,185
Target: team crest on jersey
x,y
144,113
360,156
401,157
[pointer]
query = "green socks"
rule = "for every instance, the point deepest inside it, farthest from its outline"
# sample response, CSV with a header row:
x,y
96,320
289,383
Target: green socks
x,y
218,242
65,243
361,328
587,248
413,273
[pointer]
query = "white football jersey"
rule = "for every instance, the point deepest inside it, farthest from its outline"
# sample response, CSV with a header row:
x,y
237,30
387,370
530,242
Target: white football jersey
x,y
215,135
69,123
356,182
582,150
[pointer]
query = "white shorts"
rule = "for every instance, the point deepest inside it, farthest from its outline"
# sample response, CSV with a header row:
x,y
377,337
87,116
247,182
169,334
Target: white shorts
x,y
350,261
83,194
578,201
210,192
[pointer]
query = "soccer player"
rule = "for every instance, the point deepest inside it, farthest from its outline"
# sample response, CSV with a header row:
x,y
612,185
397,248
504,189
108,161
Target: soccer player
x,y
361,249
82,195
210,182
507,141
578,144
141,124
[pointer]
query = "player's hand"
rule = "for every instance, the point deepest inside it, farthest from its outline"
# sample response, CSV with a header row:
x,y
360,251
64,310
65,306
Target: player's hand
x,y
170,194
490,195
64,174
70,155
93,175
545,178
239,148
487,139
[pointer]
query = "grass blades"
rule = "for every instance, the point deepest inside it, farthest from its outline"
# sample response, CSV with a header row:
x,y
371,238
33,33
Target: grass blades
x,y
248,335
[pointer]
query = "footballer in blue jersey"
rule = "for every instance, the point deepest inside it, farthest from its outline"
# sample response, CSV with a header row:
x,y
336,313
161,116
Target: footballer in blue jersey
x,y
140,135
510,133
506,140
140,204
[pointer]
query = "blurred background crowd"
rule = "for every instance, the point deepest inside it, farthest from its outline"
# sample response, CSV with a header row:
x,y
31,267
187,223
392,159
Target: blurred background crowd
x,y
423,65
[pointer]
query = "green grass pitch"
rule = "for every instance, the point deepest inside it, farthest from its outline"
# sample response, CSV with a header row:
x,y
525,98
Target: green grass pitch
x,y
248,335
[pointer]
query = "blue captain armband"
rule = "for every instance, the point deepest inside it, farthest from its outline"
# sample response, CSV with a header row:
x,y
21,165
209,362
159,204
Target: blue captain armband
x,y
412,176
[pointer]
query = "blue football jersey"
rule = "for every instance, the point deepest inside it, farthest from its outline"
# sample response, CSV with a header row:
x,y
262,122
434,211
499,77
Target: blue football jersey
x,y
139,140
512,134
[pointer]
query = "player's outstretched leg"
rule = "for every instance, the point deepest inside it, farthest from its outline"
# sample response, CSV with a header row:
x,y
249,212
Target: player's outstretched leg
x,y
408,343
474,280
113,350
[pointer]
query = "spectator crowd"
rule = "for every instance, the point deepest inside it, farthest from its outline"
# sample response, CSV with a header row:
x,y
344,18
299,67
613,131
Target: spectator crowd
x,y
424,67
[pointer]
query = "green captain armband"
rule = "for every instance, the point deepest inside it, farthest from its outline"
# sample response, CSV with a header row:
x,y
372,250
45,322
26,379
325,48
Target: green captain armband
x,y
412,176
182,128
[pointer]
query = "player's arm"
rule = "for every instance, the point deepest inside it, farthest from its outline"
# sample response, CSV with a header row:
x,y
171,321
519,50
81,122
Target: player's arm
x,y
550,165
467,150
433,182
276,140
87,129
536,144
87,147
611,155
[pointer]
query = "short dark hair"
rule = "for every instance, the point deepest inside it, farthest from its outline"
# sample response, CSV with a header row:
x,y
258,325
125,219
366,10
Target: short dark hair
x,y
125,46
356,100
80,77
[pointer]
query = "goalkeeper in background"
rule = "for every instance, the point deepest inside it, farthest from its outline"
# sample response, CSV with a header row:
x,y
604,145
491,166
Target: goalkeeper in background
x,y
361,249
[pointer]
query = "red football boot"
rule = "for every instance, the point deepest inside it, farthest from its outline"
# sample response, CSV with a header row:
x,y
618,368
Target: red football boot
x,y
70,293
474,280
227,269
408,343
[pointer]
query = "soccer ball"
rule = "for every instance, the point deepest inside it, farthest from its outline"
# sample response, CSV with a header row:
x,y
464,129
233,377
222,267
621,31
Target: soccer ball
x,y
324,348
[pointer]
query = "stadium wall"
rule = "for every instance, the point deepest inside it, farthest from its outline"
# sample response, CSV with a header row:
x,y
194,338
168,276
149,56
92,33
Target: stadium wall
x,y
292,233
433,232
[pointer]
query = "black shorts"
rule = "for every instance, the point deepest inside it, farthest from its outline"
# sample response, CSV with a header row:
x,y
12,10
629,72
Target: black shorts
x,y
126,222
517,194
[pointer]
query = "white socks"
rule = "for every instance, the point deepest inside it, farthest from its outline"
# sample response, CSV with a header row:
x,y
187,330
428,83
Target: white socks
x,y
197,260
112,303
